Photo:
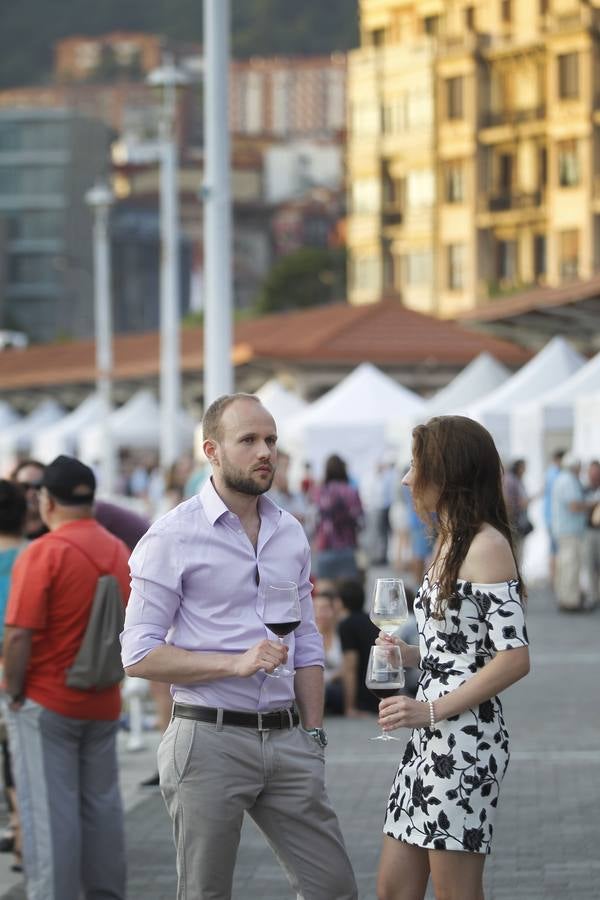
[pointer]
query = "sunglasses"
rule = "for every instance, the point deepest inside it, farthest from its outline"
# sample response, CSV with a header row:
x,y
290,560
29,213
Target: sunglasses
x,y
30,485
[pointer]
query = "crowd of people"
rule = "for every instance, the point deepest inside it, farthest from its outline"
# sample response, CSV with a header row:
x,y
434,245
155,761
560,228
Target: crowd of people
x,y
194,579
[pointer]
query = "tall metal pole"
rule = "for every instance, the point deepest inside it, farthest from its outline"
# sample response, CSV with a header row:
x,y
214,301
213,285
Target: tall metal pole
x,y
218,371
100,198
168,77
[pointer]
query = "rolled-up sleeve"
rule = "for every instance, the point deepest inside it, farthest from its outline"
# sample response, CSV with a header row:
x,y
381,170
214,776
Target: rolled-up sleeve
x,y
308,649
155,596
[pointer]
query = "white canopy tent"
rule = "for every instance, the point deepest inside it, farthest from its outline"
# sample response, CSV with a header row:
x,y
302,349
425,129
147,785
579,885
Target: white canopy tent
x,y
7,415
135,425
483,375
586,426
541,426
18,437
352,420
281,403
550,367
63,436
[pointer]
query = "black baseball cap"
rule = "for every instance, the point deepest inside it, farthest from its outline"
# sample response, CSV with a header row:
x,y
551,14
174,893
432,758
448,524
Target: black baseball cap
x,y
69,481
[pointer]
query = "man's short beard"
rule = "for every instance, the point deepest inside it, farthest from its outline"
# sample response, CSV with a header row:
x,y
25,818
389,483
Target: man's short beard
x,y
238,482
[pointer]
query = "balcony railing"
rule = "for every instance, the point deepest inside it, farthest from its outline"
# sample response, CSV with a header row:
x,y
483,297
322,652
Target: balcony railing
x,y
513,116
521,200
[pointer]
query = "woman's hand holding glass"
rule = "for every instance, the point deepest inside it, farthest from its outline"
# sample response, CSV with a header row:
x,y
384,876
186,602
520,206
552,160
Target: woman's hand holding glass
x,y
403,712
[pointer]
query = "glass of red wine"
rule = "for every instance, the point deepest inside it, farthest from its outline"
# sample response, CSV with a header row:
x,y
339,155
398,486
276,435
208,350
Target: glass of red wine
x,y
385,677
281,615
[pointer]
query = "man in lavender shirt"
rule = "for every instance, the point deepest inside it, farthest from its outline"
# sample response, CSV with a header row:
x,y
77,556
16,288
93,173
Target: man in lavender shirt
x,y
235,743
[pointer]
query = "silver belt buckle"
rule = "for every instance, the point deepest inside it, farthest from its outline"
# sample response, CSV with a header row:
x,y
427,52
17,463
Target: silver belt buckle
x,y
260,722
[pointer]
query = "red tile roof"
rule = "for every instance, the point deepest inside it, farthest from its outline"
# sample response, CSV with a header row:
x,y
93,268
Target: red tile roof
x,y
385,334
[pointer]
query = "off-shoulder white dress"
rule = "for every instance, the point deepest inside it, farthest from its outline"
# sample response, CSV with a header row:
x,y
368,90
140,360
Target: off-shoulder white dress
x,y
445,793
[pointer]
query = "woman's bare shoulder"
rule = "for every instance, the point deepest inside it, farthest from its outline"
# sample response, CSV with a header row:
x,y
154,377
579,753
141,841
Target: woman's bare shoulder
x,y
489,559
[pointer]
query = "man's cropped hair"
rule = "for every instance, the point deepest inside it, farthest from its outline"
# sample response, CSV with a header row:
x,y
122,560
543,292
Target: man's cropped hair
x,y
211,422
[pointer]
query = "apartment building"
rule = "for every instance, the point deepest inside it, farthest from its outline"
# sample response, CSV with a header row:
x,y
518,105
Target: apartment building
x,y
49,158
473,150
288,97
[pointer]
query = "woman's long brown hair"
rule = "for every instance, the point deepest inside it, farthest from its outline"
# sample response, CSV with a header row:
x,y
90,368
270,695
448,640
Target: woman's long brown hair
x,y
458,457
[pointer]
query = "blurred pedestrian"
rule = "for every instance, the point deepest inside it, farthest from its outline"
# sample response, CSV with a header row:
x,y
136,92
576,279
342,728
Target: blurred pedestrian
x,y
473,645
549,480
339,518
13,513
62,739
591,549
569,517
194,621
517,501
28,473
422,539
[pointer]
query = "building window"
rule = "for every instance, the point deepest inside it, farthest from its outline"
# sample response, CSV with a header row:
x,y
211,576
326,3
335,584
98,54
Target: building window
x,y
39,224
539,255
32,180
366,196
454,97
506,10
456,267
568,76
366,274
32,269
455,182
431,25
417,267
569,253
420,188
569,174
507,261
378,37
470,18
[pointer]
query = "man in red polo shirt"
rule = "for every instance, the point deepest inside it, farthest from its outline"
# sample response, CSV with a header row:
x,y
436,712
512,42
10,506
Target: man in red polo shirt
x,y
63,741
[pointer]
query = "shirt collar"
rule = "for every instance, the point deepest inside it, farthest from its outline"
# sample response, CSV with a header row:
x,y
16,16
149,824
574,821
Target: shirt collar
x,y
211,502
214,507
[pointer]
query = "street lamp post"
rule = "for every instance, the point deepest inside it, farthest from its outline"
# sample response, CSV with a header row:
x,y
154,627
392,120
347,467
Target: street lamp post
x,y
218,371
100,199
168,78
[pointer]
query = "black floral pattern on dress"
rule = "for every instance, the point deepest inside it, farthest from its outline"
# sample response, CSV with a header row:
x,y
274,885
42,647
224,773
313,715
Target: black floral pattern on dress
x,y
445,793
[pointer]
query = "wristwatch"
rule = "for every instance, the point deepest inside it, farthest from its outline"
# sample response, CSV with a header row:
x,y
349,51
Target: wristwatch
x,y
319,735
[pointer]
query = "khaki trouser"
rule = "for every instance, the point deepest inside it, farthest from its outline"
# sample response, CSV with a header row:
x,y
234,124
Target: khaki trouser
x,y
210,776
568,571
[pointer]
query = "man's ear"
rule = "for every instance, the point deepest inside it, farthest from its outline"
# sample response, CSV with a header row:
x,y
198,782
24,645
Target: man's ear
x,y
210,450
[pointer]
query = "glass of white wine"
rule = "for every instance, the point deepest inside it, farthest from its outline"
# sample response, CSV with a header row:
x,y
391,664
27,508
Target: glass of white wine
x,y
385,677
389,609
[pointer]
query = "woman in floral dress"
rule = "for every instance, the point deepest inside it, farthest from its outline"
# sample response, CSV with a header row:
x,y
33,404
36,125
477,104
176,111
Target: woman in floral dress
x,y
472,645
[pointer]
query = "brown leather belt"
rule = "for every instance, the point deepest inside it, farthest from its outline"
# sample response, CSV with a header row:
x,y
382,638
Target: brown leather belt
x,y
280,718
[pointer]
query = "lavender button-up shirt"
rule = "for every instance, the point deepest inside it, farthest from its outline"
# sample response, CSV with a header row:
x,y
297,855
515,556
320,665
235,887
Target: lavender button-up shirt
x,y
196,583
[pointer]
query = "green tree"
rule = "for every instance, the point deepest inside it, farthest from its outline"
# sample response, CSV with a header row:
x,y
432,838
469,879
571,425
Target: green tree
x,y
307,277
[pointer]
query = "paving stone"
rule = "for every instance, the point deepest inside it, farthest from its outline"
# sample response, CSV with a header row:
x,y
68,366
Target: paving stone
x,y
548,827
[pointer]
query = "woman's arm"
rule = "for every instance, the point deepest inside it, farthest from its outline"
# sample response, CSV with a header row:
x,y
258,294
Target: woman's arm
x,y
505,669
488,561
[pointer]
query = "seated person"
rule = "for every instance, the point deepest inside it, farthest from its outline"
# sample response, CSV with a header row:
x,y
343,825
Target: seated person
x,y
325,617
357,634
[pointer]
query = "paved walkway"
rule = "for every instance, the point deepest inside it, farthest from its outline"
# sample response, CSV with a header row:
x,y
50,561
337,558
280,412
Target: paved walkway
x,y
548,828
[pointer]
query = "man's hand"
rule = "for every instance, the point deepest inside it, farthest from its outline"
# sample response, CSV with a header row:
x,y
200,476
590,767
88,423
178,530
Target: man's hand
x,y
266,656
